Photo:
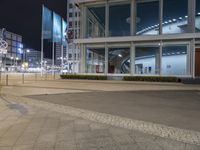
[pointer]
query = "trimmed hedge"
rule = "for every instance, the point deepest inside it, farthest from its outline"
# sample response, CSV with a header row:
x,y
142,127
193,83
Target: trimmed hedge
x,y
151,79
83,77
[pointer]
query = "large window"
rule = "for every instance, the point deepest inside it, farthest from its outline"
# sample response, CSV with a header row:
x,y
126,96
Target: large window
x,y
174,60
197,16
119,60
175,14
96,21
95,60
147,18
147,60
119,20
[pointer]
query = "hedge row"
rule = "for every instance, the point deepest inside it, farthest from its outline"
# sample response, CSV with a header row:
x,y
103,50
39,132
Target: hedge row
x,y
83,77
126,78
151,79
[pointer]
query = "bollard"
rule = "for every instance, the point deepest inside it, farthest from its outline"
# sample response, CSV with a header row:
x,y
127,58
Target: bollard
x,y
6,80
35,76
46,76
22,78
0,76
54,75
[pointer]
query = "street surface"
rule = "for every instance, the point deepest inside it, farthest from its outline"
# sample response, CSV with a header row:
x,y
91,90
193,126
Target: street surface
x,y
48,114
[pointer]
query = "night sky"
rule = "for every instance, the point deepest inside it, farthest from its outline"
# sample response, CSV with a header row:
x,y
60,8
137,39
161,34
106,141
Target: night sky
x,y
24,17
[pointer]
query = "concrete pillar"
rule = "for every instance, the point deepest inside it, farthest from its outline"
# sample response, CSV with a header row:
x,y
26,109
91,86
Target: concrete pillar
x,y
132,59
160,16
191,59
191,15
157,62
83,59
106,59
133,17
107,20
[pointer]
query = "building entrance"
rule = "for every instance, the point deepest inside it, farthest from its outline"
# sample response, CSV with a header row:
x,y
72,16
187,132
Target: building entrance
x,y
197,62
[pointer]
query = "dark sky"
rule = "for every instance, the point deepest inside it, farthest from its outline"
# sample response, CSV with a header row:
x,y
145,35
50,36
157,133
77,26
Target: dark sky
x,y
24,17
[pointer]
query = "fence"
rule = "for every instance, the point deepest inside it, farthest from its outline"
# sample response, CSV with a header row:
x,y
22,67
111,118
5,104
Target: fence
x,y
23,78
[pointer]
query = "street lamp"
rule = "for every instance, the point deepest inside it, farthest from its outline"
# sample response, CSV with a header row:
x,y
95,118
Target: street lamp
x,y
17,58
11,60
25,53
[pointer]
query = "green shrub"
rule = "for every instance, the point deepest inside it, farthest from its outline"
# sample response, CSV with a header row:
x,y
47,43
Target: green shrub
x,y
151,79
83,77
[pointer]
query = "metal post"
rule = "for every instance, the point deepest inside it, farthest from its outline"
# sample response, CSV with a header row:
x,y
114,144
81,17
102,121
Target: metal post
x,y
54,75
6,80
46,76
35,76
0,76
23,78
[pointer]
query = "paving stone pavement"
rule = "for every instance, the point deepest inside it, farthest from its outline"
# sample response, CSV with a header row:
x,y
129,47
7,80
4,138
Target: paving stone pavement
x,y
25,127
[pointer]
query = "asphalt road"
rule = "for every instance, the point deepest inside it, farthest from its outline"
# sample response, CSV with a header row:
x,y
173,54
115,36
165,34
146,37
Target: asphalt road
x,y
173,108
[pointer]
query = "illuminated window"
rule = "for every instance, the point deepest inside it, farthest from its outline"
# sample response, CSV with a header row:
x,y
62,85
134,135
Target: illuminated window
x,y
175,16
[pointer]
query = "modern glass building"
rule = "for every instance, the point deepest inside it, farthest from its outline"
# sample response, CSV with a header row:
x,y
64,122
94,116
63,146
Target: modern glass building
x,y
140,37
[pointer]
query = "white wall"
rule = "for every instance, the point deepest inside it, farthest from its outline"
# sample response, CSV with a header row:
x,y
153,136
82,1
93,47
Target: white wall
x,y
171,65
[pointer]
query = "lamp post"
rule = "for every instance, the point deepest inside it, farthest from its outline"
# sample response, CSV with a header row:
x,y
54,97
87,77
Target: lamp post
x,y
26,51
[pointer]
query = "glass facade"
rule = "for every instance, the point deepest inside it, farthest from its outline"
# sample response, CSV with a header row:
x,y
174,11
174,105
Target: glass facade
x,y
119,20
165,51
95,60
197,23
95,22
147,60
174,60
175,16
147,18
119,60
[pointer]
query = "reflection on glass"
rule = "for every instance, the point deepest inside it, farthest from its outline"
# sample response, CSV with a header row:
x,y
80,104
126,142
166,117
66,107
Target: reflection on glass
x,y
95,60
174,60
197,24
119,60
96,22
175,16
147,18
147,60
119,20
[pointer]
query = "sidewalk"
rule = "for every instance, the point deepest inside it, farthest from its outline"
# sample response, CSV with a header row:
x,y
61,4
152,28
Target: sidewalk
x,y
29,124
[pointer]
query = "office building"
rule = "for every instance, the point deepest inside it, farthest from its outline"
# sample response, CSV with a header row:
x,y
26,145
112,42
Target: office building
x,y
32,57
73,18
140,37
14,53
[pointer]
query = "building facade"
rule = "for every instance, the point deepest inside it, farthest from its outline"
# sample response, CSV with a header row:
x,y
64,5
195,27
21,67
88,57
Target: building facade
x,y
14,55
73,18
140,37
32,57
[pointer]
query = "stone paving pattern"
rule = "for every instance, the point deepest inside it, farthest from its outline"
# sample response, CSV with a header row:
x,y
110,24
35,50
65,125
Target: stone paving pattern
x,y
30,127
24,127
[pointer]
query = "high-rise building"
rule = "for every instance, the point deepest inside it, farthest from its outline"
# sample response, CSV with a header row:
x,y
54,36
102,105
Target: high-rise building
x,y
14,53
33,57
73,18
140,37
